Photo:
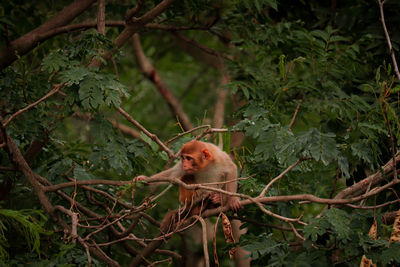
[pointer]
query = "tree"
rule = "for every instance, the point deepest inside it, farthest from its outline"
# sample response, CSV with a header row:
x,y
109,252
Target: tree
x,y
304,95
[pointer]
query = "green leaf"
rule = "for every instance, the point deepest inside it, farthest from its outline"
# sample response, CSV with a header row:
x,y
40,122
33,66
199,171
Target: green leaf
x,y
315,228
363,151
322,146
81,174
395,89
273,4
101,129
390,255
74,75
226,145
264,245
337,38
116,154
340,222
282,66
344,166
321,34
55,61
149,141
27,225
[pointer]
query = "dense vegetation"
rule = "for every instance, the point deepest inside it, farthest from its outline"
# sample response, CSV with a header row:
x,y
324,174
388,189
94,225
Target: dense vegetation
x,y
305,96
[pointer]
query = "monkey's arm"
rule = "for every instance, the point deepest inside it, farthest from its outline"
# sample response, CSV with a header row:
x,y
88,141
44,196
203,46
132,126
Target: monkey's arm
x,y
174,172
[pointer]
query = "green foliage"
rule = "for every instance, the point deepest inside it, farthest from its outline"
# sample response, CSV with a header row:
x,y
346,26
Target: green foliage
x,y
110,151
335,220
65,255
90,88
28,223
264,246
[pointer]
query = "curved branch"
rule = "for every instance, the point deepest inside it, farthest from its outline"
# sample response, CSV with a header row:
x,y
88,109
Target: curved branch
x,y
373,179
151,73
152,136
137,24
203,47
133,11
281,175
204,237
396,68
27,42
52,92
52,188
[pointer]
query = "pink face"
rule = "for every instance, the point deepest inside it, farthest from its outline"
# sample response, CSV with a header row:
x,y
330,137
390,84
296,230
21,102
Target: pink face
x,y
189,164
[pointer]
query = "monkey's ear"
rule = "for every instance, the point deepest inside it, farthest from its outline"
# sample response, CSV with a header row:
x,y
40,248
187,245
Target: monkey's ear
x,y
206,154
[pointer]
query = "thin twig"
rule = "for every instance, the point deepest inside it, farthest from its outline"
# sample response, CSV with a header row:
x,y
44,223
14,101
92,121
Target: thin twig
x,y
295,232
295,114
204,235
216,261
144,130
396,69
187,132
150,72
281,175
55,89
84,182
162,193
215,130
391,139
373,207
203,47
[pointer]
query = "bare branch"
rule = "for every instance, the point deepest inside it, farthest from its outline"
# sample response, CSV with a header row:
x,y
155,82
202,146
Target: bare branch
x,y
125,129
152,136
110,23
281,175
396,68
25,43
204,237
151,73
373,179
101,17
137,24
133,11
51,188
55,89
295,114
203,47
295,232
187,132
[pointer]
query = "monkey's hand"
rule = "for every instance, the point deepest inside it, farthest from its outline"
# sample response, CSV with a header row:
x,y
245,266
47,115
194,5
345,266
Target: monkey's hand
x,y
140,178
234,203
215,198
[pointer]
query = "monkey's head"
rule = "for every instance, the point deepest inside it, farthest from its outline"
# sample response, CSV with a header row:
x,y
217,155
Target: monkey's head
x,y
195,156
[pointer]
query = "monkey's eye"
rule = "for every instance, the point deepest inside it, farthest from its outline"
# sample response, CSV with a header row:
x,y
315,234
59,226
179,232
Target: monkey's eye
x,y
188,158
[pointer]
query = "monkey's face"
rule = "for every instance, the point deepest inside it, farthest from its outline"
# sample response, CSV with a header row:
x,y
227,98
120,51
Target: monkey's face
x,y
189,164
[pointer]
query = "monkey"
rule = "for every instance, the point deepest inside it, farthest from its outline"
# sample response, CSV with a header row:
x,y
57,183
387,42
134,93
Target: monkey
x,y
201,163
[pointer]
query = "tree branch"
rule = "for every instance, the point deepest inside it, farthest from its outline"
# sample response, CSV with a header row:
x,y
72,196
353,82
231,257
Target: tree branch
x,y
152,136
101,17
151,73
52,92
396,68
281,175
204,238
27,42
137,24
